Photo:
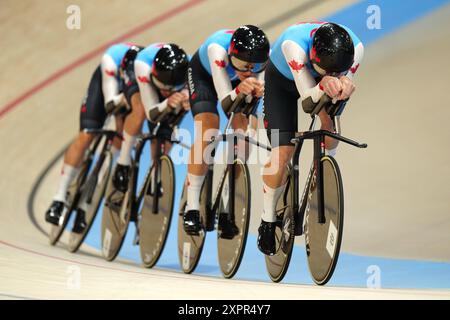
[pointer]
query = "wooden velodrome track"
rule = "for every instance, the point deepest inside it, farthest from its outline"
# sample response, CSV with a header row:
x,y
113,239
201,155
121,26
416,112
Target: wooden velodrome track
x,y
399,186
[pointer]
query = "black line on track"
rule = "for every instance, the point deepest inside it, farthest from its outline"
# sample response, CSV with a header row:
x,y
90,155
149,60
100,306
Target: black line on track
x,y
35,188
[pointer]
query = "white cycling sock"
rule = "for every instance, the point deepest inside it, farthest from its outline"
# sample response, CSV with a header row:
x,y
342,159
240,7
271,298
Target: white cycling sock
x,y
68,173
126,149
115,152
331,152
270,202
193,191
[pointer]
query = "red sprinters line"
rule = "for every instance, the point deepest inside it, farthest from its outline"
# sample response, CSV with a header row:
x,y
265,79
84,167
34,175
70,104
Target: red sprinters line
x,y
80,61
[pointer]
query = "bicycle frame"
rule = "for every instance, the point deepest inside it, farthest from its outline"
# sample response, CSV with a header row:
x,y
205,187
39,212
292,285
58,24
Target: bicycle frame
x,y
318,137
110,135
212,205
174,120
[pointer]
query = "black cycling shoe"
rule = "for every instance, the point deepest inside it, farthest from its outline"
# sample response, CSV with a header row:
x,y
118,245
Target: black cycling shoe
x,y
54,213
121,177
227,227
80,222
266,237
191,222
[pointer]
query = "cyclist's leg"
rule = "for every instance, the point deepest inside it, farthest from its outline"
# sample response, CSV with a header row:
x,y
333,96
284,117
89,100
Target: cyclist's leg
x,y
280,109
92,116
240,125
203,100
131,128
206,126
117,142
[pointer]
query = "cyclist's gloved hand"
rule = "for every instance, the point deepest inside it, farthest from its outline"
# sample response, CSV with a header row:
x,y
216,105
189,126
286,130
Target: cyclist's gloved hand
x,y
175,99
331,86
259,89
347,88
185,103
249,85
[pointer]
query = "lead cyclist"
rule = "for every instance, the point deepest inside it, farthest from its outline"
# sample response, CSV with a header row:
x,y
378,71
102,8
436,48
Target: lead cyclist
x,y
307,61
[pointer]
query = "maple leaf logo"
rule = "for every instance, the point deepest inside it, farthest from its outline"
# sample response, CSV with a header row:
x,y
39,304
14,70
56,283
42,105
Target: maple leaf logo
x,y
233,50
110,73
295,65
220,63
354,69
144,79
314,55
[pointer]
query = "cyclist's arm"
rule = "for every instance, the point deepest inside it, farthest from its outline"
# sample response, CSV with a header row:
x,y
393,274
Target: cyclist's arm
x,y
359,53
110,84
149,96
296,58
218,61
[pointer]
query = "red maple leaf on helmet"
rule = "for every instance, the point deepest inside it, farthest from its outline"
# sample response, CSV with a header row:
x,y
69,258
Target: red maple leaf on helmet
x,y
354,69
233,49
110,73
314,55
220,63
144,79
295,65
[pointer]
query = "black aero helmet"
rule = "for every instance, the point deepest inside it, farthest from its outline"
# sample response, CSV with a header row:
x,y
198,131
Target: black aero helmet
x,y
170,67
130,56
332,49
249,45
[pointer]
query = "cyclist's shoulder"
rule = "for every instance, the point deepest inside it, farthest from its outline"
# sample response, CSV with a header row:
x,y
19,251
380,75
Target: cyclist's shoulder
x,y
117,48
300,33
222,36
148,53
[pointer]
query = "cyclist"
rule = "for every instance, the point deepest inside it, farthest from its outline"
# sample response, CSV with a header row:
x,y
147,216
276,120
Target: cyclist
x,y
307,61
229,62
154,80
104,93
